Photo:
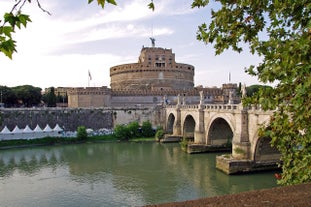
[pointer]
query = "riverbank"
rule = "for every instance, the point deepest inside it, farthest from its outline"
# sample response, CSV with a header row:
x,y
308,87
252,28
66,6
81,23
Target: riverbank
x,y
295,195
50,141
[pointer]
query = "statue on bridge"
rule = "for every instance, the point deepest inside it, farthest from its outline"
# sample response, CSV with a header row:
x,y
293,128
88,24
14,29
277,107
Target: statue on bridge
x,y
243,90
201,97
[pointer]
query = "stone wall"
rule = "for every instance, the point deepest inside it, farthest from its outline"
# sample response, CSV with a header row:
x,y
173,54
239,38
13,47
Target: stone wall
x,y
70,118
140,114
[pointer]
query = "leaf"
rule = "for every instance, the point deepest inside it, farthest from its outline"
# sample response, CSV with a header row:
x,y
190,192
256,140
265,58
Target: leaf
x,y
24,19
6,30
151,6
102,2
8,47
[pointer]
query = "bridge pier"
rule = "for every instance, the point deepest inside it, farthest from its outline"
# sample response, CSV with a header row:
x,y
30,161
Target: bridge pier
x,y
199,133
177,124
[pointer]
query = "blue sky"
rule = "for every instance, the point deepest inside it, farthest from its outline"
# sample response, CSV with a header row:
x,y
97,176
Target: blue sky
x,y
60,49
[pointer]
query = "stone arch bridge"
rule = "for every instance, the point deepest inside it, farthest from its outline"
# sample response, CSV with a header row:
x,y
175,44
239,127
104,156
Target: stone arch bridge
x,y
215,125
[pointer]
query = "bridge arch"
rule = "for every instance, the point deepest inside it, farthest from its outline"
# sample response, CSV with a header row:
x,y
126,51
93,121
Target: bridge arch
x,y
170,123
189,125
220,132
261,145
263,151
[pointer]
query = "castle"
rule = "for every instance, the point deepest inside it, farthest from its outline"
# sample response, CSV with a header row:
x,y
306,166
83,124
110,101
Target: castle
x,y
155,79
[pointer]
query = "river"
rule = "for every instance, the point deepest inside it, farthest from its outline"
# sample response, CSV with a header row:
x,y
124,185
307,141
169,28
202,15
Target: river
x,y
115,174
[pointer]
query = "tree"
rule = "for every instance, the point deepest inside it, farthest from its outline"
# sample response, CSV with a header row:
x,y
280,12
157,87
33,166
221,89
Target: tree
x,y
280,33
16,19
7,96
29,95
50,98
254,89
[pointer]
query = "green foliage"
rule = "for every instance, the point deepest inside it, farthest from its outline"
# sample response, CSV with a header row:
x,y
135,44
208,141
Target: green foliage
x,y
81,133
238,150
8,96
280,33
102,2
10,22
50,98
133,129
29,95
254,89
184,144
159,134
146,129
121,132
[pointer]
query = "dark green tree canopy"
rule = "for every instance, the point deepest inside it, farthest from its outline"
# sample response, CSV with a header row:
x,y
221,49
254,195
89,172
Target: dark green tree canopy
x,y
280,33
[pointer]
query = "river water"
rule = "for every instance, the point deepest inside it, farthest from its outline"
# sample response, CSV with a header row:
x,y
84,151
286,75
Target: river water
x,y
115,174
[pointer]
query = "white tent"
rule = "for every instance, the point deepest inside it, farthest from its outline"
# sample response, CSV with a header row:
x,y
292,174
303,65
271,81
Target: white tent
x,y
37,129
17,130
5,130
47,128
27,129
57,128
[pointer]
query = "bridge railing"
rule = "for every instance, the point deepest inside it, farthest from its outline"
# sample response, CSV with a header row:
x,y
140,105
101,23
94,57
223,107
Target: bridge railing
x,y
222,106
208,106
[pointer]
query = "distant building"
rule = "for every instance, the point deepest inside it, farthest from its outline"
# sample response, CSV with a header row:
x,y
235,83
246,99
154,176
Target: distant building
x,y
155,79
156,70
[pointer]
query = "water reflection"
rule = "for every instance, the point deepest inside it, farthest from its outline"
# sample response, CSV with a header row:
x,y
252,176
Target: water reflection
x,y
114,174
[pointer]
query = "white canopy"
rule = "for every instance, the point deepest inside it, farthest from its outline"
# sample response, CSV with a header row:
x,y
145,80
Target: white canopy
x,y
47,128
27,129
17,130
57,128
5,130
37,129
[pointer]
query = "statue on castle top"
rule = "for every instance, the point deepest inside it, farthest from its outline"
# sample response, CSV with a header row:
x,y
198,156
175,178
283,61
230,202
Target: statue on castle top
x,y
152,41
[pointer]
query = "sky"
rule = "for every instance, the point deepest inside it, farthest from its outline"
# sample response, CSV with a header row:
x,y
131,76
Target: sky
x,y
59,50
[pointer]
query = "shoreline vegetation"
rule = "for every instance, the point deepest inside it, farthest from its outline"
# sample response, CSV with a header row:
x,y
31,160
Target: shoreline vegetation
x,y
51,141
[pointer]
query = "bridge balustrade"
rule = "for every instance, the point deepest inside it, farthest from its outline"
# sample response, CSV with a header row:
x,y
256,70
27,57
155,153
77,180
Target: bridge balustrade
x,y
221,106
208,106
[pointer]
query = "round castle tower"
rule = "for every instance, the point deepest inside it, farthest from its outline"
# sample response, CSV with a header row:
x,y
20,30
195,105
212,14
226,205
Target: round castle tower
x,y
156,70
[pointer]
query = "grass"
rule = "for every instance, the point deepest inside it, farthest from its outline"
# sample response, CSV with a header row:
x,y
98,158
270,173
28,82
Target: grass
x,y
4,144
143,139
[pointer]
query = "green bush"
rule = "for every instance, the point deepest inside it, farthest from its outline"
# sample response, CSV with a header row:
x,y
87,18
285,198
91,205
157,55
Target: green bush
x,y
159,134
147,130
133,129
121,132
81,133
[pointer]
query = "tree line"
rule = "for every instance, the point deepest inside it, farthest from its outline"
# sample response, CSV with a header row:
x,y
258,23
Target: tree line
x,y
29,96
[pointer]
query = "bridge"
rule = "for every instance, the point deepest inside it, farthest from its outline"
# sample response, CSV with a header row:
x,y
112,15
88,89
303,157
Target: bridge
x,y
210,126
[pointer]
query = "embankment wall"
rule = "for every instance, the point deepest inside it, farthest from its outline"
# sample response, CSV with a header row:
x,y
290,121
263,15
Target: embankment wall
x,y
70,118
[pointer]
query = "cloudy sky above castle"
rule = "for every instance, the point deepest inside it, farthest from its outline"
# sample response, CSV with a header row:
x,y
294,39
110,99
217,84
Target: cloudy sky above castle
x,y
59,49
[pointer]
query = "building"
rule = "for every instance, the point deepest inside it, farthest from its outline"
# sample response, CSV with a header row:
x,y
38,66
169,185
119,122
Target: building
x,y
156,70
155,79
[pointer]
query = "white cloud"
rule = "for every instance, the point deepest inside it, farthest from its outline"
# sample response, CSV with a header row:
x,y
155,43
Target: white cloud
x,y
58,50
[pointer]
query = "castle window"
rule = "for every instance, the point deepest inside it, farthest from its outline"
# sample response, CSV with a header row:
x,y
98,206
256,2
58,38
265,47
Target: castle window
x,y
160,65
